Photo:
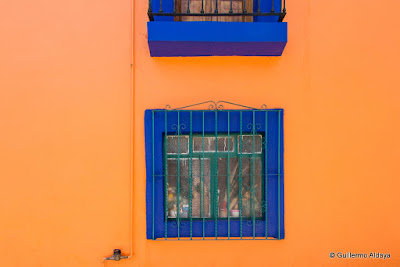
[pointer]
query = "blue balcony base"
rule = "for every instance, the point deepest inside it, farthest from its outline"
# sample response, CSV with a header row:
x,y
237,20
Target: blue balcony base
x,y
174,39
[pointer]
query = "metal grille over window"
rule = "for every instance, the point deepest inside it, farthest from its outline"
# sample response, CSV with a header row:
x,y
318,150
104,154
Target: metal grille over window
x,y
215,174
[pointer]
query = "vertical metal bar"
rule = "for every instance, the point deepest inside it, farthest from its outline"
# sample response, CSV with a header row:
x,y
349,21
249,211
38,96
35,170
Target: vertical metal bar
x,y
231,10
258,7
188,7
279,174
216,177
284,6
191,175
272,8
161,6
241,179
174,10
228,183
253,176
216,6
178,176
166,176
150,10
244,6
266,175
203,181
202,6
152,122
201,210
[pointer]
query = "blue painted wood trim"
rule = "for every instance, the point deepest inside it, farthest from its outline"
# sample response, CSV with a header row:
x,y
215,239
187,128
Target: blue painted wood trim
x,y
187,49
200,38
209,31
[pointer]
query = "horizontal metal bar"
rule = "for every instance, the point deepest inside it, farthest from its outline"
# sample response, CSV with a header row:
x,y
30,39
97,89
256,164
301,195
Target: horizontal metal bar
x,y
219,239
219,110
216,14
161,175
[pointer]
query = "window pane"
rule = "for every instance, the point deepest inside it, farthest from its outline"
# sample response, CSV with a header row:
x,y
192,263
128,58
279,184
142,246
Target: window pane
x,y
209,144
247,144
200,176
172,144
251,187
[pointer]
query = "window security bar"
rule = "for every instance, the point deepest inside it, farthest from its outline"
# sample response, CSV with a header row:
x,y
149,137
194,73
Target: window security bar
x,y
215,174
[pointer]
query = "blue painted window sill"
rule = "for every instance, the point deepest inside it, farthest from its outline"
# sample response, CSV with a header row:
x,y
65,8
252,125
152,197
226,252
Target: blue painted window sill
x,y
200,38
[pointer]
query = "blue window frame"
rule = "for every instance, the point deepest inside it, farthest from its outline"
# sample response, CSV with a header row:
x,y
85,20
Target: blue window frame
x,y
268,123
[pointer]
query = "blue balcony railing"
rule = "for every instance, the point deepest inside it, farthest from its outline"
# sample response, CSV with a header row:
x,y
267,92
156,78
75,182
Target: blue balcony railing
x,y
217,10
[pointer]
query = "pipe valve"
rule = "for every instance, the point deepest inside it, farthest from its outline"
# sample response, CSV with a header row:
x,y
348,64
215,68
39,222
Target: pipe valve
x,y
116,256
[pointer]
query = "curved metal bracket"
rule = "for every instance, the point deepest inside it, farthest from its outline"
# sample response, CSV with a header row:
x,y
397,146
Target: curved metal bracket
x,y
215,105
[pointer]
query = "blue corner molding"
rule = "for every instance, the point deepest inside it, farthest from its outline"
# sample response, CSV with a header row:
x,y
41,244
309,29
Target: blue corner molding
x,y
200,38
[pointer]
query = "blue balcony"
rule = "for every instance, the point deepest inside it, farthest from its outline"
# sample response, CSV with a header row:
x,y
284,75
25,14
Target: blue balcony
x,y
216,28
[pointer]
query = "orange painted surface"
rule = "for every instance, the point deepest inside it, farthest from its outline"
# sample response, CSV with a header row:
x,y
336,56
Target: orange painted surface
x,y
66,133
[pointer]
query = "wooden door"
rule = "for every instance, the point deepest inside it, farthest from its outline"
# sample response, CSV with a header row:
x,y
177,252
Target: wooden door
x,y
224,6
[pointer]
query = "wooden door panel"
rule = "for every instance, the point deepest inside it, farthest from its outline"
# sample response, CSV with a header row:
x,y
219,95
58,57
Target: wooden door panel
x,y
224,6
195,7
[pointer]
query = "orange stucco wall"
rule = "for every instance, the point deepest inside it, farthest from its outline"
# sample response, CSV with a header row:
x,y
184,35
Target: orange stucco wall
x,y
72,135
